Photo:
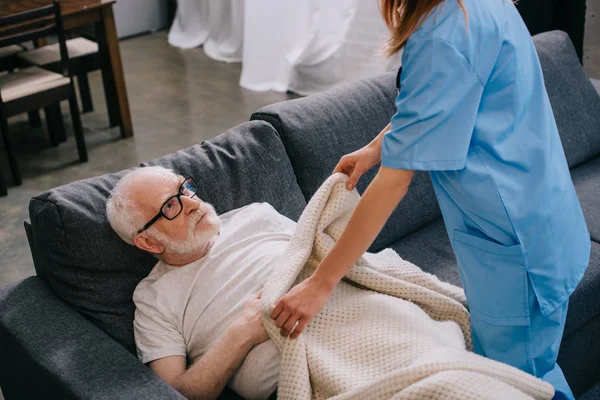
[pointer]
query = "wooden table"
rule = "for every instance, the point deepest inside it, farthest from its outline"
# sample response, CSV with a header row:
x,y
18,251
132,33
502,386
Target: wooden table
x,y
77,14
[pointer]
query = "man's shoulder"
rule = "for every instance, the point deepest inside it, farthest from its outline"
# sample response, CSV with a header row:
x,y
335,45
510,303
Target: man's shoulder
x,y
249,208
251,212
147,288
255,218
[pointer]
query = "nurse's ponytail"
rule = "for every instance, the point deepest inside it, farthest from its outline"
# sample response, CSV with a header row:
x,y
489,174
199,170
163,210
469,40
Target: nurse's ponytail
x,y
403,17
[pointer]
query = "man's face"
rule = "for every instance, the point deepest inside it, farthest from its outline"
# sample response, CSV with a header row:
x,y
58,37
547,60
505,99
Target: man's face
x,y
191,231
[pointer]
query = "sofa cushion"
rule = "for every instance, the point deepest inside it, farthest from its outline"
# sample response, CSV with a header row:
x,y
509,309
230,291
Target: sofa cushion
x,y
93,270
49,351
586,179
579,358
430,249
318,130
575,102
591,394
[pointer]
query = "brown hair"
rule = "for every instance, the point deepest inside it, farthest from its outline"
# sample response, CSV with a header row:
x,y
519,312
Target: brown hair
x,y
403,17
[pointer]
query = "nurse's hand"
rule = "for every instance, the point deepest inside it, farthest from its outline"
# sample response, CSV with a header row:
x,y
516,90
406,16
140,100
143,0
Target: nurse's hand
x,y
299,306
356,164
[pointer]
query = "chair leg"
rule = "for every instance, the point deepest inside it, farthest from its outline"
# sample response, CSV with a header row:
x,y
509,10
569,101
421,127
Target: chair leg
x,y
34,119
3,191
84,93
51,127
78,128
12,162
56,126
112,104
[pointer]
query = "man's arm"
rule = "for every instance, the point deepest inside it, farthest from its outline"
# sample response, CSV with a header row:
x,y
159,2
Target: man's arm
x,y
207,378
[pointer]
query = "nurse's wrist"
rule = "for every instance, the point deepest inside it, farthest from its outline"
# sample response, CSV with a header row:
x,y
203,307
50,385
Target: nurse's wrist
x,y
323,279
376,143
375,146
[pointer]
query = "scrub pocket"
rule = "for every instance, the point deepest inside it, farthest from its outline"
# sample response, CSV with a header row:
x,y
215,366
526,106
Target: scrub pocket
x,y
494,278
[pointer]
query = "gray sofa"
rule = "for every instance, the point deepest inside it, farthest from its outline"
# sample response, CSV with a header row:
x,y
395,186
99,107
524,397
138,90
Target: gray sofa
x,y
67,332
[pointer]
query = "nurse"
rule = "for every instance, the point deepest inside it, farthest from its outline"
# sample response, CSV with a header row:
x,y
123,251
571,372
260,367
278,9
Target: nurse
x,y
473,111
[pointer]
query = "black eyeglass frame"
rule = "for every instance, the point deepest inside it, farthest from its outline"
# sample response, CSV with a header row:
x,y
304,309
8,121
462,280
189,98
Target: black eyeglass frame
x,y
178,197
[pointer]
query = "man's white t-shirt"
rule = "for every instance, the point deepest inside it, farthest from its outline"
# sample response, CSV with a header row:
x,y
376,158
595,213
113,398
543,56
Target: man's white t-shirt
x,y
184,310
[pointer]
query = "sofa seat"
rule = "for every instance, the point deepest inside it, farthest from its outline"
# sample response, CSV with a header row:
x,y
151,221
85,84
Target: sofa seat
x,y
430,249
592,394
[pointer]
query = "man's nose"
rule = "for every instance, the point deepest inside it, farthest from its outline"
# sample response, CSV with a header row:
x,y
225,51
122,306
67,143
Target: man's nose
x,y
190,204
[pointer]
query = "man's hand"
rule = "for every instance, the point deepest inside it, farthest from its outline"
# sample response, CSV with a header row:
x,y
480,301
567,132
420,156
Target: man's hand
x,y
250,322
209,375
300,305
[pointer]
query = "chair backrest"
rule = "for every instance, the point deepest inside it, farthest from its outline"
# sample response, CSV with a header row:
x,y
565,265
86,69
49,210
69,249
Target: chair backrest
x,y
34,24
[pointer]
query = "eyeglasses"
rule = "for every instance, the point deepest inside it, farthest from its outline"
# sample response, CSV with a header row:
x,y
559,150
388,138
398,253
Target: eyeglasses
x,y
173,206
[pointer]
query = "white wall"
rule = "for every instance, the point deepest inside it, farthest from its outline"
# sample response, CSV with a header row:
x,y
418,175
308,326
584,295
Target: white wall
x,y
138,16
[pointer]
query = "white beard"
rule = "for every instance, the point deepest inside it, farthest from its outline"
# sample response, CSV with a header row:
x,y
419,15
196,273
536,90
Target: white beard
x,y
196,240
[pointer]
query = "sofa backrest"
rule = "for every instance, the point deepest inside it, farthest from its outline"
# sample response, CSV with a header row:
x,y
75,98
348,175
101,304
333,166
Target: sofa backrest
x,y
318,130
93,270
575,102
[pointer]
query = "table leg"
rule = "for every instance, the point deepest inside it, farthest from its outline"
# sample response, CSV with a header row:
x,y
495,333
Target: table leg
x,y
112,72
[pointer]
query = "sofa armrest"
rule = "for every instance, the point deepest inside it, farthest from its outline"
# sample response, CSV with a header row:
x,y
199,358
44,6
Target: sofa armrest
x,y
49,350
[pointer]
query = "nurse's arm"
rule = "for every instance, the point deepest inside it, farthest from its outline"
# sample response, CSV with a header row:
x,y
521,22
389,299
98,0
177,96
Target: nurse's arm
x,y
378,202
376,143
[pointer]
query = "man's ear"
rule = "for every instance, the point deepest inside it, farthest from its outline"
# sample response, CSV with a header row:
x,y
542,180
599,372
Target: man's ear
x,y
145,242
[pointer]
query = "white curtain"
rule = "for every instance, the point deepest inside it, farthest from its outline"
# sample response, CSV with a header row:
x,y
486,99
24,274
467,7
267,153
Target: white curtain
x,y
216,24
309,46
272,30
305,46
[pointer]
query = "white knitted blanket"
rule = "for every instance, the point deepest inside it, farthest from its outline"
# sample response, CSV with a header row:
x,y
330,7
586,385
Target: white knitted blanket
x,y
389,331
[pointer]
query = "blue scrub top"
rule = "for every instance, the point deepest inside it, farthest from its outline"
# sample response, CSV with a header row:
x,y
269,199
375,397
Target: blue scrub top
x,y
473,110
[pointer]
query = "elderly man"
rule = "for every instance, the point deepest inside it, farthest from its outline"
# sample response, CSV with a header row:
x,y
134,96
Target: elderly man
x,y
198,326
197,323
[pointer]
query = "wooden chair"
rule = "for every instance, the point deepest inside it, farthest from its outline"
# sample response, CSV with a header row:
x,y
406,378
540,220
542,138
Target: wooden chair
x,y
32,88
83,56
8,61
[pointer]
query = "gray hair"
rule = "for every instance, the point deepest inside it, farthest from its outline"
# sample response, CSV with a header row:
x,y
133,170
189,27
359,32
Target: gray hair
x,y
121,210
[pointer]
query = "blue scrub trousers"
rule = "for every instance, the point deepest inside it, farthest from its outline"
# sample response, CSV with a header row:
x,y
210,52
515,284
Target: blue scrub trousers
x,y
532,348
